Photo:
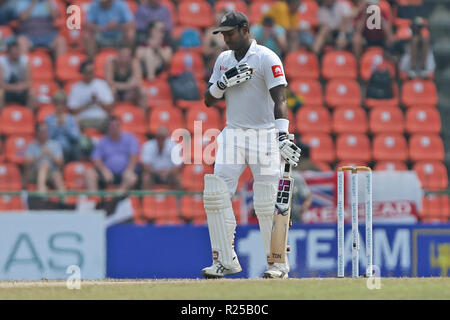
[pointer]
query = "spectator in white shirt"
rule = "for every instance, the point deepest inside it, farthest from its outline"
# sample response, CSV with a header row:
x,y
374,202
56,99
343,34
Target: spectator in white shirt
x,y
157,161
335,20
90,99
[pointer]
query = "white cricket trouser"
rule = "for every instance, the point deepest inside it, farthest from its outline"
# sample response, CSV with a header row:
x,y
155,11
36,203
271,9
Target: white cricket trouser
x,y
238,147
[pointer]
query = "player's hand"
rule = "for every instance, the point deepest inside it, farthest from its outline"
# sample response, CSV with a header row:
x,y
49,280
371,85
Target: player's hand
x,y
236,75
288,150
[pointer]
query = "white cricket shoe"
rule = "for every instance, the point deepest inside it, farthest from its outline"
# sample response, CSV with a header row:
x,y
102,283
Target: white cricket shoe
x,y
217,270
276,271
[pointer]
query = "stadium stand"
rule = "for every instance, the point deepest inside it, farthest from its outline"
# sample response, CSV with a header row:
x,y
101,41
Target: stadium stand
x,y
334,119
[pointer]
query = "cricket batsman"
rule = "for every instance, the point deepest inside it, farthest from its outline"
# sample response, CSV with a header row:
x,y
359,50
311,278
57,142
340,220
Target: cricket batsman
x,y
251,79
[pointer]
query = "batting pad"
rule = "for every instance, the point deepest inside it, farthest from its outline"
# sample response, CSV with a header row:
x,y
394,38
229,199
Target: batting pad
x,y
221,219
264,198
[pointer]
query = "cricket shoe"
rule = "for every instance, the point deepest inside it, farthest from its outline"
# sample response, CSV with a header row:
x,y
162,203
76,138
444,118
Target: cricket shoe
x,y
218,271
276,271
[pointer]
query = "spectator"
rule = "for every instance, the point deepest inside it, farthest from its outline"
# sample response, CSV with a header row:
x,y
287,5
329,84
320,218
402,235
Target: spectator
x,y
115,158
285,14
63,128
109,24
90,99
44,160
418,59
213,44
335,19
156,158
363,35
37,27
156,54
150,11
271,35
124,76
6,12
15,78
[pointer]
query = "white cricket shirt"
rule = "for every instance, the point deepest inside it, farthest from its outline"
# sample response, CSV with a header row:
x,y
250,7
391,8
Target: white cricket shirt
x,y
249,104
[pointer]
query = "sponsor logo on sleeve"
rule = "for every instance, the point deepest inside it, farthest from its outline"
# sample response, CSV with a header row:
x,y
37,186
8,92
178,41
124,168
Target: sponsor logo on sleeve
x,y
277,71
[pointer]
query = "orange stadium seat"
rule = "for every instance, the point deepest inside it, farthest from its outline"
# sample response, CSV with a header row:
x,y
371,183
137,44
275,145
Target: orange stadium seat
x,y
423,120
44,90
170,117
432,174
132,118
258,9
185,60
309,90
385,119
67,66
312,119
158,93
192,208
419,92
322,146
391,166
435,208
426,147
192,176
9,203
342,93
157,207
74,38
373,56
353,147
307,14
392,102
210,118
301,65
15,147
100,61
387,146
350,120
44,111
10,178
195,13
41,65
230,5
16,119
74,174
339,64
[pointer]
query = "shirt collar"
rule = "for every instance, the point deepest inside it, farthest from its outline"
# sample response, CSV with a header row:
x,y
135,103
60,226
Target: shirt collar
x,y
251,50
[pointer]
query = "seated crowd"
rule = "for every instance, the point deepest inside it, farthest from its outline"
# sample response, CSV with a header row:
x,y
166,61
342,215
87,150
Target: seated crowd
x,y
144,36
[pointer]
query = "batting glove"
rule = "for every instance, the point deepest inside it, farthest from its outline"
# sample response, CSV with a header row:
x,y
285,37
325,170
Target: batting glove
x,y
288,150
232,77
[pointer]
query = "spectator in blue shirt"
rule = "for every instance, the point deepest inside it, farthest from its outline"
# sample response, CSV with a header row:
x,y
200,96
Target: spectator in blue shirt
x,y
115,159
271,35
37,27
109,24
63,128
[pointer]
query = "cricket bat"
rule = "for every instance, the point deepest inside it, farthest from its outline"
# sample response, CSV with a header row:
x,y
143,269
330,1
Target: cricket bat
x,y
282,215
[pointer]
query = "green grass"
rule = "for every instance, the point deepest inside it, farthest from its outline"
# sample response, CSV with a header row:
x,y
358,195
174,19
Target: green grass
x,y
323,288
